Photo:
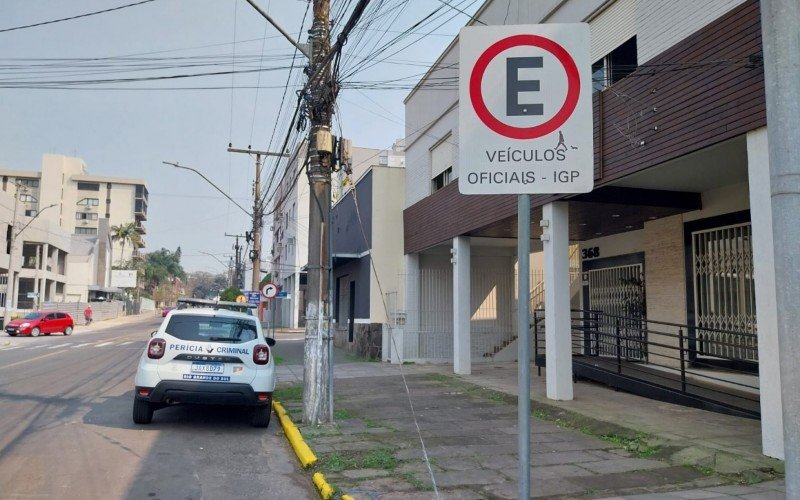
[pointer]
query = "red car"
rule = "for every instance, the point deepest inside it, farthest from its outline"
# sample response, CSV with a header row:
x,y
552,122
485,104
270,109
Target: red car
x,y
34,324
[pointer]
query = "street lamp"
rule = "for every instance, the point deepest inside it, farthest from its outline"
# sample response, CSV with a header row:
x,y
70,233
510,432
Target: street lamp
x,y
10,280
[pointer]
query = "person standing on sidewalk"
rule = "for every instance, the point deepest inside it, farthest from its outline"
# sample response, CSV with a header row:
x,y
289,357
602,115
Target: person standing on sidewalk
x,y
87,314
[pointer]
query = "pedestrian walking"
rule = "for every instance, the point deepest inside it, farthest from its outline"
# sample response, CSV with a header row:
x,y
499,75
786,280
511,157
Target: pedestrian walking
x,y
87,314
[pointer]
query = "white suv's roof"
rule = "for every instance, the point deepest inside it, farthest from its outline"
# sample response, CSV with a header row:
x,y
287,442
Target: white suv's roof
x,y
203,311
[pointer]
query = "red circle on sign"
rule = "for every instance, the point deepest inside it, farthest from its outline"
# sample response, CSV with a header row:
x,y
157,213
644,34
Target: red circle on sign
x,y
570,102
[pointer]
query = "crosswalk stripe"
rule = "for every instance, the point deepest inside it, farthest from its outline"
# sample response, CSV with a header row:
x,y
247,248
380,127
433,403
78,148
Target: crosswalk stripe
x,y
104,344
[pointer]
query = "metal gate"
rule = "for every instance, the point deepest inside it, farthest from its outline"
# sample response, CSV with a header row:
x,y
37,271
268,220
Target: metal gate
x,y
724,292
619,291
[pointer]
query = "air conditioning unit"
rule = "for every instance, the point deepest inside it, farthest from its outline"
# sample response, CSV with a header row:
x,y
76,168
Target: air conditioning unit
x,y
87,208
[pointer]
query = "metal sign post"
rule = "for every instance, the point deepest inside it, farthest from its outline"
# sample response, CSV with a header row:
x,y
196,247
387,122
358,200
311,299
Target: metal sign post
x,y
525,127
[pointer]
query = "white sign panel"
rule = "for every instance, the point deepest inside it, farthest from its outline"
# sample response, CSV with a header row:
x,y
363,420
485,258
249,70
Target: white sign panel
x,y
269,290
525,109
122,278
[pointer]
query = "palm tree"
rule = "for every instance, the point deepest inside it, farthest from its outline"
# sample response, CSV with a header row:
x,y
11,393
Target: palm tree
x,y
125,233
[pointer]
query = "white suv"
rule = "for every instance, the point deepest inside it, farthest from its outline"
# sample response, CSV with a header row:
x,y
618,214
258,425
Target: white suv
x,y
206,356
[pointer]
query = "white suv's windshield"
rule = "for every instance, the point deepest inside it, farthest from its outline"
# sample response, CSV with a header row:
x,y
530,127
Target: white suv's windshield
x,y
211,329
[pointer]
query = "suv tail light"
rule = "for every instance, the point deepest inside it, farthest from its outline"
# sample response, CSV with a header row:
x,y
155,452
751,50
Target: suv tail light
x,y
261,354
156,348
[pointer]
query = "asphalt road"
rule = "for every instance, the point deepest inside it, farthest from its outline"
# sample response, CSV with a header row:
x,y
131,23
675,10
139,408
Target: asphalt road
x,y
66,429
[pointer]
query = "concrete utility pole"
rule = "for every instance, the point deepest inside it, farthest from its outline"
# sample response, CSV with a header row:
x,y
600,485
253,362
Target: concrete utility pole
x,y
781,38
321,99
239,267
258,212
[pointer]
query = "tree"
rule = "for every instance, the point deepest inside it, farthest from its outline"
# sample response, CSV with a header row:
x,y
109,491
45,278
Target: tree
x,y
204,285
125,233
266,279
159,268
230,294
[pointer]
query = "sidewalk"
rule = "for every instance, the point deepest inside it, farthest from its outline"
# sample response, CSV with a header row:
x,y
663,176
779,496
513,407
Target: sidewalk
x,y
603,444
80,325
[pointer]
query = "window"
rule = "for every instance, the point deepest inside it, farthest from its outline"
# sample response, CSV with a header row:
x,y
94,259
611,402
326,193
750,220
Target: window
x,y
442,179
31,183
85,230
442,162
212,329
27,198
615,66
30,213
89,186
89,202
85,216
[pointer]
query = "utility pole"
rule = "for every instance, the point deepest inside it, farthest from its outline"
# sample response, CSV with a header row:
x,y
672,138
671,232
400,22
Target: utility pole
x,y
239,267
10,280
779,22
320,101
320,96
258,212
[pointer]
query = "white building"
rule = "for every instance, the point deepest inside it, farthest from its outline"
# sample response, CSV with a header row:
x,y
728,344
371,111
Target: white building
x,y
290,226
65,197
675,242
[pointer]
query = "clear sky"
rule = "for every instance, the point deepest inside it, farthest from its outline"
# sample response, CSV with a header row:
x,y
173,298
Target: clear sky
x,y
129,128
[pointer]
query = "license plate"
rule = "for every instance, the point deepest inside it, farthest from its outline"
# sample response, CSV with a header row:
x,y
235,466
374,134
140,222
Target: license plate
x,y
200,367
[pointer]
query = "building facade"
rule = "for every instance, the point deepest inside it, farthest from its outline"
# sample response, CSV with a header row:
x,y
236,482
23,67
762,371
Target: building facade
x,y
367,253
674,243
81,209
289,254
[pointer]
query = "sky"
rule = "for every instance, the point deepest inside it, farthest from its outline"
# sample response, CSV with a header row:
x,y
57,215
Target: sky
x,y
129,128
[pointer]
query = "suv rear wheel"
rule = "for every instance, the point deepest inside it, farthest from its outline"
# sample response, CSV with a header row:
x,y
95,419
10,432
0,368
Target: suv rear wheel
x,y
142,411
262,415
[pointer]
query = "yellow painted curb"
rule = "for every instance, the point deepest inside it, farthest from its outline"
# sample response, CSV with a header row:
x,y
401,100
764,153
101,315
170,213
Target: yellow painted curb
x,y
325,489
301,449
347,497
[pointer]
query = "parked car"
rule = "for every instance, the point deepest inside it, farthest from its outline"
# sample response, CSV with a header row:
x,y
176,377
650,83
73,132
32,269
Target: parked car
x,y
206,355
37,323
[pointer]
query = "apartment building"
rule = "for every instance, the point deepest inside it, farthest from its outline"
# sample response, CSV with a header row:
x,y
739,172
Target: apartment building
x,y
65,197
673,270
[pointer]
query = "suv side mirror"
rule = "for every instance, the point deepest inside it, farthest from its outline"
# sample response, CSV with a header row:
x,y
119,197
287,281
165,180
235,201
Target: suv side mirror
x,y
153,333
270,341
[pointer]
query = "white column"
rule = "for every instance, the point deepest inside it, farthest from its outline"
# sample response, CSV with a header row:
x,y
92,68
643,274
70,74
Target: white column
x,y
769,375
555,241
406,337
462,356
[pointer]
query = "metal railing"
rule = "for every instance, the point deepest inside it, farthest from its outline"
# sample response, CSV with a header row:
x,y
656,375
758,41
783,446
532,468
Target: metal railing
x,y
661,357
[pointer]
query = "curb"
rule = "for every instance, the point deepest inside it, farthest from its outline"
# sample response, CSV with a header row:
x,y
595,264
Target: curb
x,y
303,452
301,449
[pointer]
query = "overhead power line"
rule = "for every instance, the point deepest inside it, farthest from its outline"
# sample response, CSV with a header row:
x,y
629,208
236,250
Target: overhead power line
x,y
76,17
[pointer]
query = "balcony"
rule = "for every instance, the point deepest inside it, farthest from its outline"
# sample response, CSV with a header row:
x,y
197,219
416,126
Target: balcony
x,y
140,209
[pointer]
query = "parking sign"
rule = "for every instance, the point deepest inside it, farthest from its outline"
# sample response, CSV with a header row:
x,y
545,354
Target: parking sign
x,y
525,109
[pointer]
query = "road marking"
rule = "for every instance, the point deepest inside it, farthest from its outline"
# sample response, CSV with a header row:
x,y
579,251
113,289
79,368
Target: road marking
x,y
29,360
104,344
126,343
81,345
59,346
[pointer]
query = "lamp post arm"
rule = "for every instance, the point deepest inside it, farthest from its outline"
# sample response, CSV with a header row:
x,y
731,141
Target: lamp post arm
x,y
34,218
212,184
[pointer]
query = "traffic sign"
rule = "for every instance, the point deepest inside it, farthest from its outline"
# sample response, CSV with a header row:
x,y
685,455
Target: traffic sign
x,y
270,290
253,298
525,112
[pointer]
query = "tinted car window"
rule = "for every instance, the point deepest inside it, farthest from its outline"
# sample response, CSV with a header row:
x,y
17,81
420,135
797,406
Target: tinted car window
x,y
50,316
211,329
33,316
61,315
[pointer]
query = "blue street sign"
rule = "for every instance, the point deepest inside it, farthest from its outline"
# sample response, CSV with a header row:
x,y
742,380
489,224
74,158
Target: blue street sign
x,y
253,297
282,294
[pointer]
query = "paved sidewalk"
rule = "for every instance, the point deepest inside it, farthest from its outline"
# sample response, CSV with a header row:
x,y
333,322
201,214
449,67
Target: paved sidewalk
x,y
595,447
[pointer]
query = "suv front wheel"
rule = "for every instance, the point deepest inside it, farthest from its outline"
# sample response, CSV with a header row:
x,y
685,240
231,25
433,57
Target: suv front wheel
x,y
142,411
